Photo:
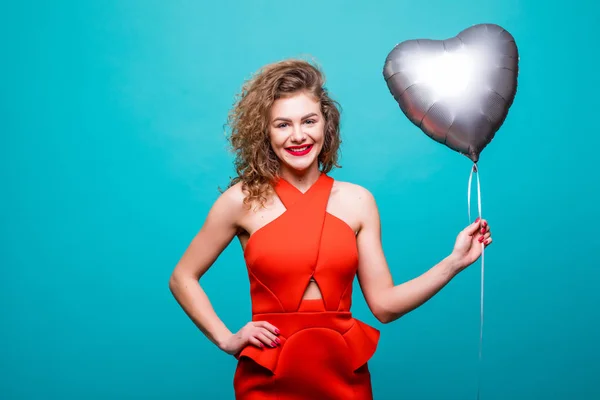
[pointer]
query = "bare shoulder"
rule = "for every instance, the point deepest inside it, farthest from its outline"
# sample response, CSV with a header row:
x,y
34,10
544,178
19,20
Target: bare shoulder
x,y
234,195
357,204
361,202
354,194
229,206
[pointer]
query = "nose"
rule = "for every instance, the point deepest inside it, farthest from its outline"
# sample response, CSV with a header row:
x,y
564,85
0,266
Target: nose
x,y
298,135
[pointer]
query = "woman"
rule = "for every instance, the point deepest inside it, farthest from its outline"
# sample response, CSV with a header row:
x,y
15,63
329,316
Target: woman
x,y
304,237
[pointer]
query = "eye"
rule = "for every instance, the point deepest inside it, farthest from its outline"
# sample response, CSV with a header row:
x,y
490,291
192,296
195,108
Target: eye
x,y
310,121
282,125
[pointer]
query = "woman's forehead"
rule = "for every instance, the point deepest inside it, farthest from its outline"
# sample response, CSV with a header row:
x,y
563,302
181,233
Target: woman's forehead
x,y
295,106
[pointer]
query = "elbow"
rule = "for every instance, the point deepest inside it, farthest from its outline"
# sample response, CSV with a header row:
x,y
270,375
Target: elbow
x,y
383,313
180,279
384,317
387,317
175,281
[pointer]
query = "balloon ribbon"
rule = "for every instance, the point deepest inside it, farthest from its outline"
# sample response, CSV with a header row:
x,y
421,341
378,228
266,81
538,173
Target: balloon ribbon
x,y
476,171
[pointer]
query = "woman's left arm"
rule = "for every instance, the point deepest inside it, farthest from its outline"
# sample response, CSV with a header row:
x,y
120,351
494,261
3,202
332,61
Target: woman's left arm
x,y
389,302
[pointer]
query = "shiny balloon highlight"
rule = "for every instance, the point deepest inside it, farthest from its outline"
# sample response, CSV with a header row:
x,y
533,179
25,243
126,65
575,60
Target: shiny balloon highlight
x,y
458,90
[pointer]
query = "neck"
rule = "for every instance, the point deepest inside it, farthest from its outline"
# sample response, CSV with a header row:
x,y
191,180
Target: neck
x,y
302,180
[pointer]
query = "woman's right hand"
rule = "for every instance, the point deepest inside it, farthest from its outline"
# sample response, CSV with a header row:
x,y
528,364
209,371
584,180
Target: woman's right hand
x,y
256,333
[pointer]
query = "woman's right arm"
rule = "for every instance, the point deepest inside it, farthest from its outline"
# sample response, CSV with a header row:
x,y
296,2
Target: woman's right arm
x,y
219,229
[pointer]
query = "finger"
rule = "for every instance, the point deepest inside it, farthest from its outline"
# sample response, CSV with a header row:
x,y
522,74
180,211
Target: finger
x,y
255,342
485,226
488,241
270,327
472,229
270,336
264,339
484,237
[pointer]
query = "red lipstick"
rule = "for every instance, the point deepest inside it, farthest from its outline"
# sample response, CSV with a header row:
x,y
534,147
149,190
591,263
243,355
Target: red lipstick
x,y
293,150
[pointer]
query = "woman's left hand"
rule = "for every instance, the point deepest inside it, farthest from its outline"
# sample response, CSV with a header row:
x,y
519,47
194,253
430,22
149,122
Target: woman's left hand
x,y
468,248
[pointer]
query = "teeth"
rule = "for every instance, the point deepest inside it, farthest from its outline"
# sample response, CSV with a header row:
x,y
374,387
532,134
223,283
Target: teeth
x,y
300,149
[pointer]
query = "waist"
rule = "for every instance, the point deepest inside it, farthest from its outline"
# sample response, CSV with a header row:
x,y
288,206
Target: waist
x,y
310,314
360,339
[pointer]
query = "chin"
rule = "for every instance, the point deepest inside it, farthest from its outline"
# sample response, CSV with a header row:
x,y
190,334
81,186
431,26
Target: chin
x,y
300,165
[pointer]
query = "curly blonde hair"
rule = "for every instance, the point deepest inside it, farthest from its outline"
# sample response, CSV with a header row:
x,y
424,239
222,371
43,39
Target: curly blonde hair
x,y
256,164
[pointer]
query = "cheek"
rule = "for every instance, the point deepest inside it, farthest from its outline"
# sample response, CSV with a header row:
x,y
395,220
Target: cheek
x,y
276,139
321,133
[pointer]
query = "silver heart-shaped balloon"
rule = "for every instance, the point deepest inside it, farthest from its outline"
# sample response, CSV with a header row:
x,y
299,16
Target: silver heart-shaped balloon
x,y
458,90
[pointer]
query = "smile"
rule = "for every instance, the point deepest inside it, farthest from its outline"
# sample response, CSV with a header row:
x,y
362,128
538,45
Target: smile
x,y
299,150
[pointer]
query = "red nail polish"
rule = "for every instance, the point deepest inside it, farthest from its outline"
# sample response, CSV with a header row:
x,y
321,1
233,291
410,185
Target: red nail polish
x,y
273,344
484,224
481,239
477,220
277,341
482,230
487,241
277,331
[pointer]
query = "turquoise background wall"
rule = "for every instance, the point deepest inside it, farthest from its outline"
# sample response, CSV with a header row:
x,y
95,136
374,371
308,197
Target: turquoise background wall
x,y
112,151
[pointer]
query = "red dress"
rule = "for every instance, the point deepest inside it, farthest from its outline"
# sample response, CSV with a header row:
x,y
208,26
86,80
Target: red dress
x,y
324,350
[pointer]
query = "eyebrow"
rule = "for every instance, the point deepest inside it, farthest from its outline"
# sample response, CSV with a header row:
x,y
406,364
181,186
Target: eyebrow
x,y
289,120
